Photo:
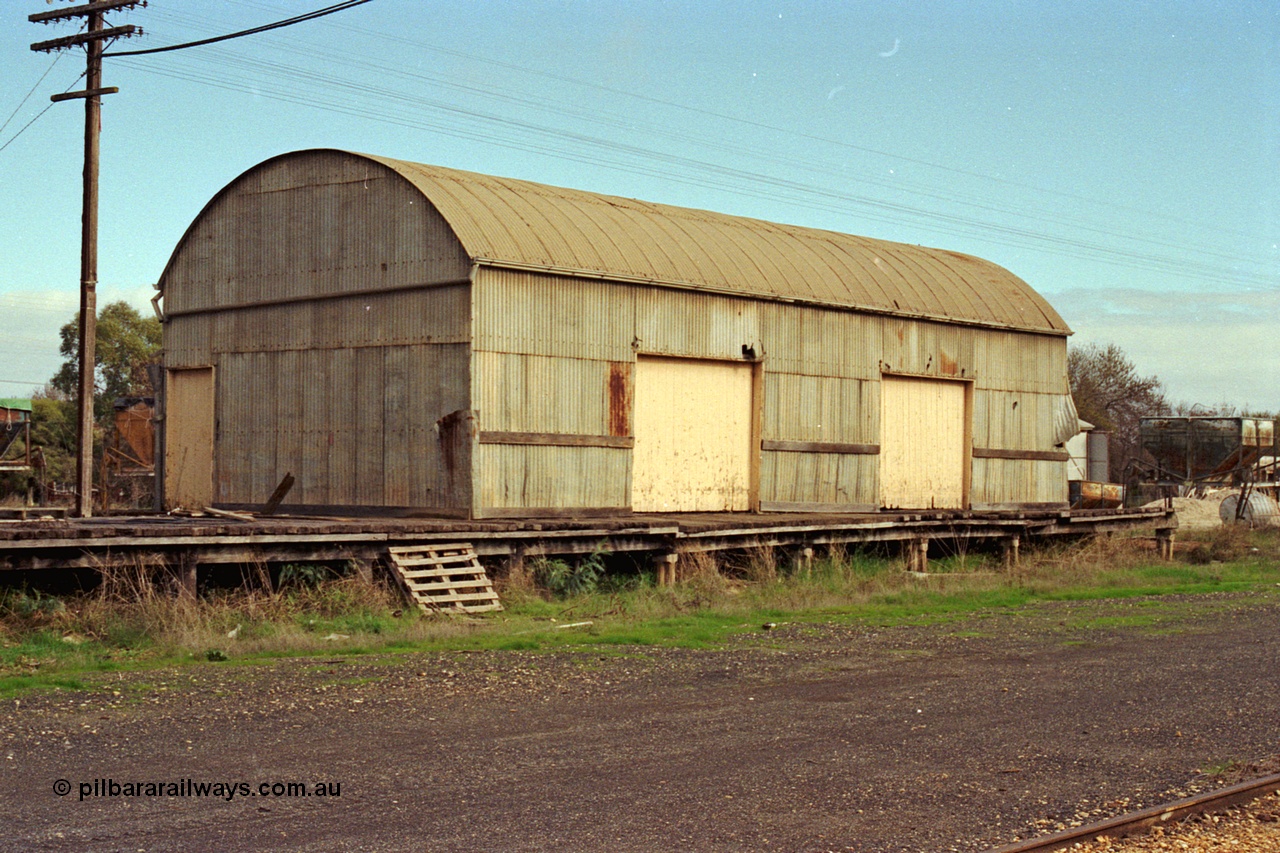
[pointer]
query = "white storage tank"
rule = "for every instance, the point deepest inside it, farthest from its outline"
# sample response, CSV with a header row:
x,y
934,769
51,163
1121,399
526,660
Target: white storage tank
x,y
1259,510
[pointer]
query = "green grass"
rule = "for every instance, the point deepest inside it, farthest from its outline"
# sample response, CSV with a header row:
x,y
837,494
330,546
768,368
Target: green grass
x,y
17,685
48,643
1219,768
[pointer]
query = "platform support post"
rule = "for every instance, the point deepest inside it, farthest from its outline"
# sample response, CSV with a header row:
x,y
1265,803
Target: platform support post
x,y
1011,548
918,555
1164,544
513,565
801,560
363,569
665,567
188,575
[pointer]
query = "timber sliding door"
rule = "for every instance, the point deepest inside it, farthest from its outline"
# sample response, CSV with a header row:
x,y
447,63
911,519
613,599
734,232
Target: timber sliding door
x,y
696,444
925,439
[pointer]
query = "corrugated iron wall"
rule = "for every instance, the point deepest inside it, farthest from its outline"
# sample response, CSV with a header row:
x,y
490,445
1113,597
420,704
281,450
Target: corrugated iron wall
x,y
536,393
306,226
511,476
545,346
355,426
339,336
998,482
828,480
698,325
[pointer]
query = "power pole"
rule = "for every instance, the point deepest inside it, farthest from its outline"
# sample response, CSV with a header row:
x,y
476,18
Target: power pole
x,y
92,40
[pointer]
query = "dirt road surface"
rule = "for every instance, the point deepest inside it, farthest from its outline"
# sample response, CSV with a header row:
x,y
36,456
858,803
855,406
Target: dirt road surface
x,y
963,736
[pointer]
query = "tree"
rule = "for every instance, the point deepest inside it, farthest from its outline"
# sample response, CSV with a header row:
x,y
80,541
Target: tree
x,y
126,343
53,430
1109,394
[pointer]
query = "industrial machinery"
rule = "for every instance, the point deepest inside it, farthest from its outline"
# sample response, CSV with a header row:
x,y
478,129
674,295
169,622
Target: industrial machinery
x,y
1189,455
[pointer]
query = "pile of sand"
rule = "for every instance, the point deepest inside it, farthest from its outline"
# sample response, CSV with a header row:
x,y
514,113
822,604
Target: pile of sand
x,y
1200,513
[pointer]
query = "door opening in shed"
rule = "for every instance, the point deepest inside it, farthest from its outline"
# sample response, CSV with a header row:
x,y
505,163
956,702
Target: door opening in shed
x,y
189,431
693,428
924,443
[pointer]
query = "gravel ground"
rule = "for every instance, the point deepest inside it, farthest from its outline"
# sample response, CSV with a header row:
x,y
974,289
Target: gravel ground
x,y
957,737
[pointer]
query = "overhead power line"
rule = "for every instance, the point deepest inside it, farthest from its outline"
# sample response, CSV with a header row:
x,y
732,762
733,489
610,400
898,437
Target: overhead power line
x,y
36,117
523,135
32,92
789,131
1030,227
287,22
297,19
1230,266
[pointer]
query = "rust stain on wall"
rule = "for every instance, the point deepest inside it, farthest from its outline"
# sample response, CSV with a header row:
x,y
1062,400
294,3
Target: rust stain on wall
x,y
947,365
456,431
620,390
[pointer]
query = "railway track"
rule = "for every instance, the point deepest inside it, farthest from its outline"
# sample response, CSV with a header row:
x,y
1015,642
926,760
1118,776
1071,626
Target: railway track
x,y
1139,822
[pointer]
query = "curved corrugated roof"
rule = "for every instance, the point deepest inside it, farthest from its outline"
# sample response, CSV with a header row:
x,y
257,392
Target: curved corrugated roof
x,y
520,224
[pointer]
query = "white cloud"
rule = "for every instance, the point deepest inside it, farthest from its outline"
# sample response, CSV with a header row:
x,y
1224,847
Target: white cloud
x,y
29,324
1208,348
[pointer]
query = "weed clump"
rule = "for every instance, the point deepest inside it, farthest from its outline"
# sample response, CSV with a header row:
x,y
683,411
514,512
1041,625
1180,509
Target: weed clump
x,y
1221,544
139,609
570,580
30,605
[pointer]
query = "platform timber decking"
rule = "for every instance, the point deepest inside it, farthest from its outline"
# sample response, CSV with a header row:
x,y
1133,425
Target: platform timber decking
x,y
159,539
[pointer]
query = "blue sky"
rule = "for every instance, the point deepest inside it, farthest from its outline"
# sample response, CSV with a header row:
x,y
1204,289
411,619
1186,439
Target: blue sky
x,y
1123,158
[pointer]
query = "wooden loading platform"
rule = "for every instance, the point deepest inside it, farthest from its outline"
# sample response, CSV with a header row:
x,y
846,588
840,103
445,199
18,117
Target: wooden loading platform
x,y
183,544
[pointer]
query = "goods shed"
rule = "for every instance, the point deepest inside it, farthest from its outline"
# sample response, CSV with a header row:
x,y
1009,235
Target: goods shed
x,y
409,339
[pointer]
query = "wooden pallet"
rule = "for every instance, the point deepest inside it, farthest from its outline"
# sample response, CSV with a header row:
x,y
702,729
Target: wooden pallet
x,y
444,577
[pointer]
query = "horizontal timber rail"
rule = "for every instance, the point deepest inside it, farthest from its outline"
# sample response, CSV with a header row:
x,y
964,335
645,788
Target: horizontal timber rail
x,y
100,542
1140,822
